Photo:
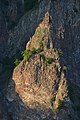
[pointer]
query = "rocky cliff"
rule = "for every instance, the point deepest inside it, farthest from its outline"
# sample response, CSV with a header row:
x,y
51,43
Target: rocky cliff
x,y
45,85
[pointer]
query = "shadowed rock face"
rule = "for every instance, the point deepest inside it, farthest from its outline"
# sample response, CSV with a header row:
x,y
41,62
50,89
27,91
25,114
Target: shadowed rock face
x,y
48,83
10,13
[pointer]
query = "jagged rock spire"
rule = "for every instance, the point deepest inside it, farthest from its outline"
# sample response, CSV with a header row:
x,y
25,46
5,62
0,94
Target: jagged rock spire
x,y
42,33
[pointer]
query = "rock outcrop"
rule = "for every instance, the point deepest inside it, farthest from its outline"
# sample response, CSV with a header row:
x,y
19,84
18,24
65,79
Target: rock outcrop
x,y
45,85
42,80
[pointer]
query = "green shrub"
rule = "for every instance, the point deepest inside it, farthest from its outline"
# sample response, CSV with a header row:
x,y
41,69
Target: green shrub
x,y
26,54
45,32
16,62
60,104
60,53
52,100
38,50
48,60
41,46
33,51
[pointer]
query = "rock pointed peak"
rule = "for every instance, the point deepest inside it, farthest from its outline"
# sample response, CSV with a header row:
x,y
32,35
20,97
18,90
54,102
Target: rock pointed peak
x,y
42,34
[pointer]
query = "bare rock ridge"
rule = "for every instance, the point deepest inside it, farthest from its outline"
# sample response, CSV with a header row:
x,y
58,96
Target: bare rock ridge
x,y
45,85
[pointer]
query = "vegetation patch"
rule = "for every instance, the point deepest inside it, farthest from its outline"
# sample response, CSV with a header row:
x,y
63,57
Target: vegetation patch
x,y
41,45
52,100
17,62
26,54
60,104
45,32
34,51
59,53
48,60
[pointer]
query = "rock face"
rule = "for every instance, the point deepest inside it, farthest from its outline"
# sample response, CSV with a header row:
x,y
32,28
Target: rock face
x,y
35,80
47,83
10,12
42,81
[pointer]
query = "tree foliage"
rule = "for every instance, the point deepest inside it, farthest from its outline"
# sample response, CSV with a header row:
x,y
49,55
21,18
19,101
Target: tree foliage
x,y
26,54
